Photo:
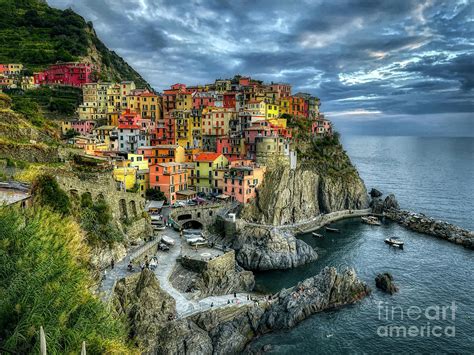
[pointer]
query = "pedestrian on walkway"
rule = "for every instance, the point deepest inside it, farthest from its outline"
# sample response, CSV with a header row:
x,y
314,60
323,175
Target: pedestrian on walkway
x,y
112,263
212,304
235,295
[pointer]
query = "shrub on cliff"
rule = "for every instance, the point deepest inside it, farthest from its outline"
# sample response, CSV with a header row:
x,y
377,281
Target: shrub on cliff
x,y
47,192
96,220
44,282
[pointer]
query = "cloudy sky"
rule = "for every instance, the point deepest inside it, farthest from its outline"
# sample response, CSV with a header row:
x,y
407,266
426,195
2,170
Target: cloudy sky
x,y
392,67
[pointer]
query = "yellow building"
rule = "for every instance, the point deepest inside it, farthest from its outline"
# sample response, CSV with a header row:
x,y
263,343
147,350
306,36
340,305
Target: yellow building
x,y
126,87
188,128
125,175
215,121
65,126
114,99
93,148
271,111
285,106
206,177
94,101
184,101
137,161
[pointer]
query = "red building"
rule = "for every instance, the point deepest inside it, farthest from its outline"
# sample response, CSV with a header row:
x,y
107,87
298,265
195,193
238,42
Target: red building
x,y
72,74
229,100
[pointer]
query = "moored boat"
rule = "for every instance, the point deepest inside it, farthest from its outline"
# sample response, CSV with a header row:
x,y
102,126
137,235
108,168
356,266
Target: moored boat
x,y
167,240
395,242
317,235
329,229
372,220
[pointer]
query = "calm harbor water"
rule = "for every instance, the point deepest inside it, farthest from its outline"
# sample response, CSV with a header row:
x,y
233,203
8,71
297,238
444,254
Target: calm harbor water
x,y
430,175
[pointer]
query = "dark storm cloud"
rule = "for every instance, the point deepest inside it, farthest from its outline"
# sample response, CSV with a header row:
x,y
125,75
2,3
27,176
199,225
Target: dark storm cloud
x,y
369,61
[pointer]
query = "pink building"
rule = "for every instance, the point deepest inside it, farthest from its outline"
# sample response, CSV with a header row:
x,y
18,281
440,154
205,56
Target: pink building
x,y
242,179
203,99
83,127
72,74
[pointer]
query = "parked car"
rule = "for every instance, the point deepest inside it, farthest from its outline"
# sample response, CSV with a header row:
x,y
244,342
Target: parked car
x,y
192,203
178,204
201,194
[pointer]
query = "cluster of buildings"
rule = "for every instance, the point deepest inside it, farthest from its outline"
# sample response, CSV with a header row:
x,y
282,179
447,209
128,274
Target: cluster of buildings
x,y
214,139
11,77
69,74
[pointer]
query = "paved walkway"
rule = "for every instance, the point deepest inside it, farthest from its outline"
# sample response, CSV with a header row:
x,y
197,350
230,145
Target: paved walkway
x,y
185,306
166,263
315,222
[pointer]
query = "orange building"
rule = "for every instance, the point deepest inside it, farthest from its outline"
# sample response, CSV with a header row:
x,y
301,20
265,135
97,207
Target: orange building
x,y
171,179
165,153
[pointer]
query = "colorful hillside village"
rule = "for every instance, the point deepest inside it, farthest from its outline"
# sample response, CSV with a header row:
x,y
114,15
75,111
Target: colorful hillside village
x,y
214,140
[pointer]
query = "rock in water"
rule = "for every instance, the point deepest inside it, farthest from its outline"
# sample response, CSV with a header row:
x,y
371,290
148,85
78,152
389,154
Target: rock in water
x,y
385,283
324,291
391,202
259,248
375,193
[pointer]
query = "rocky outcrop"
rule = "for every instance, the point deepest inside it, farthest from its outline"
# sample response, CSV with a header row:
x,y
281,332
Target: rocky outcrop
x,y
380,205
259,248
375,193
102,256
228,330
219,276
385,283
418,222
326,290
289,196
145,305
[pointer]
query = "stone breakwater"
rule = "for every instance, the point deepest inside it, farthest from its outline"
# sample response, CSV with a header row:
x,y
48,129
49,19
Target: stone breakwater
x,y
228,330
418,222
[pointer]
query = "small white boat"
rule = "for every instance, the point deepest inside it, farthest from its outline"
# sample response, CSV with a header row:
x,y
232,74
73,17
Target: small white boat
x,y
167,240
317,235
372,220
195,240
395,242
329,229
158,227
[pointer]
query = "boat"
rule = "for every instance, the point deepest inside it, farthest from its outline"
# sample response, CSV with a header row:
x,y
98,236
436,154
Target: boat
x,y
372,220
158,227
317,235
329,229
195,240
395,242
167,240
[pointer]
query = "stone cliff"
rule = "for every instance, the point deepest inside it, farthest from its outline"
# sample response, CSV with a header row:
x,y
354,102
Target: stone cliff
x,y
268,249
145,306
228,330
324,181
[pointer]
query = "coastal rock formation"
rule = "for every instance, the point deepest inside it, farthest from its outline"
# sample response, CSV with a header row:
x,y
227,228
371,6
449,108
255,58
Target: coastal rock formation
x,y
228,330
385,283
102,256
379,205
145,305
375,193
423,224
221,277
288,196
259,248
329,289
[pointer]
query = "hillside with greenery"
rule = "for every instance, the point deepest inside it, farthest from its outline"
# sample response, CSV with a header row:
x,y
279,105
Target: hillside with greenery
x,y
36,35
44,281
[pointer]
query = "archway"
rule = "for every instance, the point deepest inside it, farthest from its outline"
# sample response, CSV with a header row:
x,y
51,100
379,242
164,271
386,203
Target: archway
x,y
193,224
133,208
184,217
123,209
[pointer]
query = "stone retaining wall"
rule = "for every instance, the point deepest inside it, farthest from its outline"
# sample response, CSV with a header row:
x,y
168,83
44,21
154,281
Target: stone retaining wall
x,y
223,263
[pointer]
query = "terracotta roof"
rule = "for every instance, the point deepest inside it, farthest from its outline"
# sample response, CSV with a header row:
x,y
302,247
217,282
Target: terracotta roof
x,y
207,156
128,126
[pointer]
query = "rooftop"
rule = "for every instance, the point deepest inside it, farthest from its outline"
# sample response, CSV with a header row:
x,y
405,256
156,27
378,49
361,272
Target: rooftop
x,y
207,156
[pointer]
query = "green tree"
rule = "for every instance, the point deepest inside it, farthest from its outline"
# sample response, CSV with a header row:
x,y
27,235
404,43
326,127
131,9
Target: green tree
x,y
46,192
155,195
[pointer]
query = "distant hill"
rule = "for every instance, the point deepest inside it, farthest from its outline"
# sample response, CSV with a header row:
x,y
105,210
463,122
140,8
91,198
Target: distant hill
x,y
36,35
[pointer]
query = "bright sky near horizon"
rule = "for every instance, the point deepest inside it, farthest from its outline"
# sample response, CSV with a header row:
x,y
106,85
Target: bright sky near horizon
x,y
395,67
